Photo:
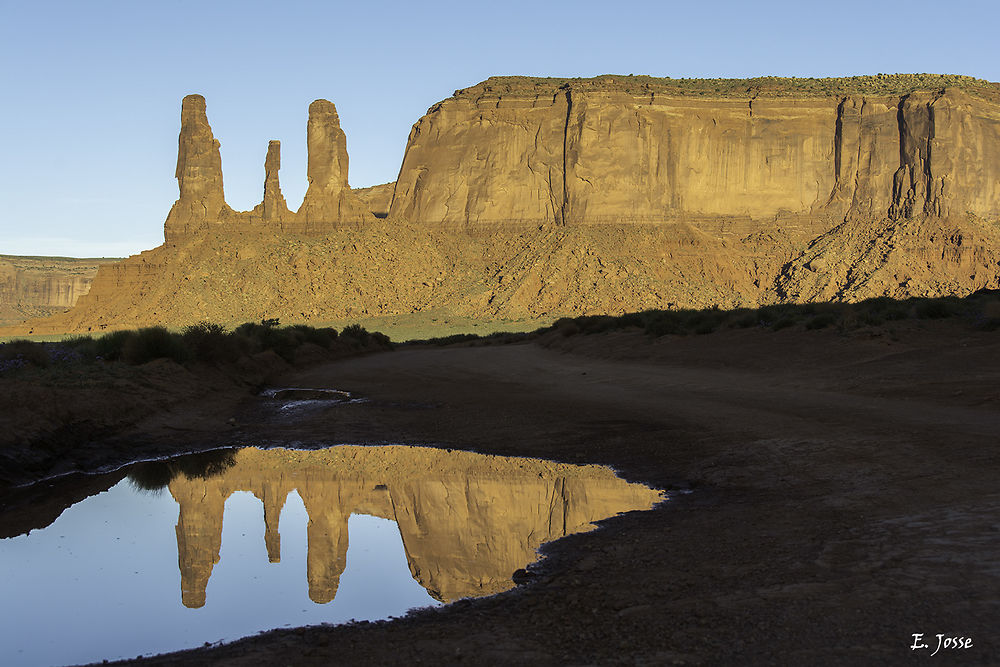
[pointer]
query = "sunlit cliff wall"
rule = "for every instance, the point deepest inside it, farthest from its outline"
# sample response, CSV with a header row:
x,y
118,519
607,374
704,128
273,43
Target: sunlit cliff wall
x,y
515,152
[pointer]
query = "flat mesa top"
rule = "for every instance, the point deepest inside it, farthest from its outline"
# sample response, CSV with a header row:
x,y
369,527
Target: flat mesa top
x,y
768,86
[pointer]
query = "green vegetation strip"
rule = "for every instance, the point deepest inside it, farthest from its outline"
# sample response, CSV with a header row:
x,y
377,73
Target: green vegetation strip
x,y
980,311
766,86
204,343
213,344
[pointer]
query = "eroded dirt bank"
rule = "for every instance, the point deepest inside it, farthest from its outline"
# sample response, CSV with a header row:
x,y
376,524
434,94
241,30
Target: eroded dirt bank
x,y
844,496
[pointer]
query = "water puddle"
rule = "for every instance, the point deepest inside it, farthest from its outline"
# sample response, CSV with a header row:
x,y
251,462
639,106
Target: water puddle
x,y
215,547
295,399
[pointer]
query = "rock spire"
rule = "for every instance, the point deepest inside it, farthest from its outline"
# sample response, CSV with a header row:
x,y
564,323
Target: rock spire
x,y
274,206
329,201
198,173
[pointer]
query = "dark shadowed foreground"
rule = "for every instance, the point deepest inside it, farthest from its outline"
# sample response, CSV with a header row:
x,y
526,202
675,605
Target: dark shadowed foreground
x,y
843,495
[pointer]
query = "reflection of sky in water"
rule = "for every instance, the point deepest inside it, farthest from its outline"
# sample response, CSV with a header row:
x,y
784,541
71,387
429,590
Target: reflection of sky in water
x,y
102,581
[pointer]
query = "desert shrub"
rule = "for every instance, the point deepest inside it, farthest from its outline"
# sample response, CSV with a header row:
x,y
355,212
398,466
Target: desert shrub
x,y
85,346
821,321
705,328
356,335
566,326
807,309
282,341
20,353
110,345
988,317
209,343
743,319
454,338
663,323
631,320
152,343
265,336
60,353
768,315
150,477
323,337
704,321
155,475
784,322
932,309
381,340
881,309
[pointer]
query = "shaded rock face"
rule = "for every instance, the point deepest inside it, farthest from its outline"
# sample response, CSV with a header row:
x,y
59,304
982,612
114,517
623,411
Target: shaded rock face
x,y
39,286
328,204
580,156
467,521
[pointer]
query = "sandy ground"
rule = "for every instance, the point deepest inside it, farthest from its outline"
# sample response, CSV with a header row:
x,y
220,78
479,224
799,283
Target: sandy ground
x,y
843,496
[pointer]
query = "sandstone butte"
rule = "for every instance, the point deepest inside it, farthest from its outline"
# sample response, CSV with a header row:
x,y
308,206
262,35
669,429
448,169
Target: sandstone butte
x,y
532,198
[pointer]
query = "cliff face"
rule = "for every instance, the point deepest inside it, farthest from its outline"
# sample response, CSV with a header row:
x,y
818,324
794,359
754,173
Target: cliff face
x,y
378,198
495,156
467,521
38,286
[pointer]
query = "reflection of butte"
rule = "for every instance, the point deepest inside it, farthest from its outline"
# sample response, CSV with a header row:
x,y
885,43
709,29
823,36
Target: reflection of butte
x,y
468,521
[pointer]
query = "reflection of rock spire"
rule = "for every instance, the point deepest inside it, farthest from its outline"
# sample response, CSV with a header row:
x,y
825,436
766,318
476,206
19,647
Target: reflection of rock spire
x,y
274,500
199,535
327,535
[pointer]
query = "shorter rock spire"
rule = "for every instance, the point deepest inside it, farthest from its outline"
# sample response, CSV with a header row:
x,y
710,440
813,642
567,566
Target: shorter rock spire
x,y
275,208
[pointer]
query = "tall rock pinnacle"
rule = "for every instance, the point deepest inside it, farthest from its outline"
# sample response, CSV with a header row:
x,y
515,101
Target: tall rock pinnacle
x,y
199,173
327,145
274,203
329,198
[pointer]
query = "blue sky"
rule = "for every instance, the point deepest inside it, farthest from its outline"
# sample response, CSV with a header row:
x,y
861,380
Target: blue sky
x,y
92,90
